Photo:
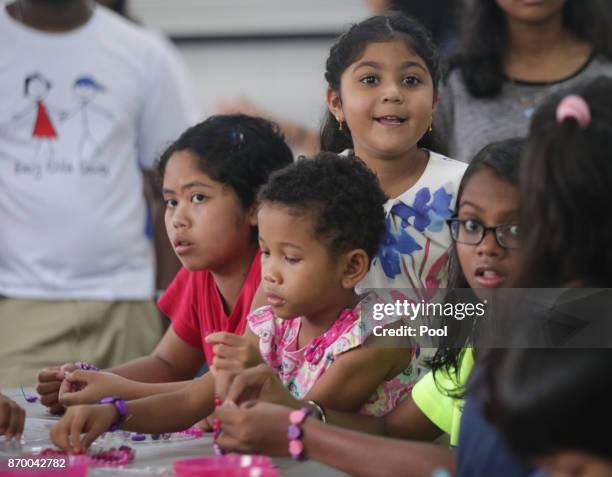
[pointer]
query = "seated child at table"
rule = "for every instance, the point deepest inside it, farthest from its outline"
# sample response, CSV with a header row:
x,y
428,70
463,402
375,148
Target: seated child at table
x,y
321,220
210,177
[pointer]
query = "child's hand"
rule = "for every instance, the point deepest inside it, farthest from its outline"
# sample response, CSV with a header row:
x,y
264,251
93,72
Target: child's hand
x,y
254,428
49,382
88,387
90,420
258,383
233,352
12,418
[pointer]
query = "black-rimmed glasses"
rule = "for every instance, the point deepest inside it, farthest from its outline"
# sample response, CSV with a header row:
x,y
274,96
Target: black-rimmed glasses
x,y
472,232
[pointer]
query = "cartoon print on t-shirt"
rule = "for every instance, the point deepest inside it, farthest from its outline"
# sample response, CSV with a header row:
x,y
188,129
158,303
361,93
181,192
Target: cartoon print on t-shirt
x,y
36,88
86,88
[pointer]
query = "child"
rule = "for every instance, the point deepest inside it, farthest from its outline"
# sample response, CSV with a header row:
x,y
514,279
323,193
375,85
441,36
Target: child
x,y
488,197
566,182
320,220
210,178
513,55
383,76
527,408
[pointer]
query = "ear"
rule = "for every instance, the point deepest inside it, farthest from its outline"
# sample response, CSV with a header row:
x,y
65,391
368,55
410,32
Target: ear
x,y
252,214
436,100
355,266
334,104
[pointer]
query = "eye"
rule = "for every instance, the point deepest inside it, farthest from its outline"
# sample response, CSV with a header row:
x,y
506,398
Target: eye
x,y
197,198
265,253
472,226
412,80
293,260
369,79
514,230
170,203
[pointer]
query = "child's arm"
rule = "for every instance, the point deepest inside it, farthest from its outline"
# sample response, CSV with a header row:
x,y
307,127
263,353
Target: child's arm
x,y
354,377
262,428
172,360
82,425
88,387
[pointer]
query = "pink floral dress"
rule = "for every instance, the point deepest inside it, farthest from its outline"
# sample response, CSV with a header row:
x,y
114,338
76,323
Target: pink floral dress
x,y
299,369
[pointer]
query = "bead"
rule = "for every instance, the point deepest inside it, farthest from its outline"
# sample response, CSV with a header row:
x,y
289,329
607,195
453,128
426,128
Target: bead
x,y
294,432
296,448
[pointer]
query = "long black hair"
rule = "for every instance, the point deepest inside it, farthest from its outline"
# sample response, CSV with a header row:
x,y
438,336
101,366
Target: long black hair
x,y
503,158
484,39
566,179
351,45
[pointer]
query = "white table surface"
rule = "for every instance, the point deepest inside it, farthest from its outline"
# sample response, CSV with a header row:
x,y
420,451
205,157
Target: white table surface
x,y
152,458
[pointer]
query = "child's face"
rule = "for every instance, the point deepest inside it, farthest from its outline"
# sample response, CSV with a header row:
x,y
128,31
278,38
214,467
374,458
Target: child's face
x,y
204,218
488,200
387,100
298,275
575,464
531,10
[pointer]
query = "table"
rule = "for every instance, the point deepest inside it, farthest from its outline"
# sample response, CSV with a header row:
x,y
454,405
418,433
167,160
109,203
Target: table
x,y
152,459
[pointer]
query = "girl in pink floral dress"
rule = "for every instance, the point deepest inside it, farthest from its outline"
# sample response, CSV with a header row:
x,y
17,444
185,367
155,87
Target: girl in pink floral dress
x,y
320,222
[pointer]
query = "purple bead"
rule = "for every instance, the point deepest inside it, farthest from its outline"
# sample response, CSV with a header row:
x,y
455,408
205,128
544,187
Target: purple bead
x,y
294,432
139,437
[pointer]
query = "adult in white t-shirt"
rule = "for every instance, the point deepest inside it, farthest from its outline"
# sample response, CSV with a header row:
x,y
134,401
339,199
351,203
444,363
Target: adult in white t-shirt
x,y
87,101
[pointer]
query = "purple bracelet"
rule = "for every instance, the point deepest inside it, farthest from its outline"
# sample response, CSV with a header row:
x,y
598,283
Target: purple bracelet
x,y
121,410
86,366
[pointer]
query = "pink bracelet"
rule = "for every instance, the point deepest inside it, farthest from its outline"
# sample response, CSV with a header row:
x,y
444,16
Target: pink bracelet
x,y
295,432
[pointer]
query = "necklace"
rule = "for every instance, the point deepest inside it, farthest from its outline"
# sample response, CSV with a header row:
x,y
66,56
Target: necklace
x,y
530,101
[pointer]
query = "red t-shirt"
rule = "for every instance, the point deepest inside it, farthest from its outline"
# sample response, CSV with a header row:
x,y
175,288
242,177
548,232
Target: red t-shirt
x,y
195,307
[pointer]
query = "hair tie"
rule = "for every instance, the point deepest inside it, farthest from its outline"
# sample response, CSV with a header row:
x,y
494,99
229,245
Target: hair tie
x,y
574,107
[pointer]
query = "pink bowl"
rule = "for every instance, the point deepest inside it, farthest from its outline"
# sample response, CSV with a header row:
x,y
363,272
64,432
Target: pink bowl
x,y
233,465
229,472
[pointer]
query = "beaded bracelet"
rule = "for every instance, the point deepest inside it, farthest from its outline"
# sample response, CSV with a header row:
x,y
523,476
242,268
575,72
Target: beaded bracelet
x,y
121,409
112,457
295,432
86,366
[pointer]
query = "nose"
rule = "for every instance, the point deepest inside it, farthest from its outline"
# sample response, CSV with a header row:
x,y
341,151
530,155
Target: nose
x,y
392,93
489,246
269,271
180,217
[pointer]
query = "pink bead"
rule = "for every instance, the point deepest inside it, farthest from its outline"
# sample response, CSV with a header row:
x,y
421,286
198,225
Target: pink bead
x,y
296,447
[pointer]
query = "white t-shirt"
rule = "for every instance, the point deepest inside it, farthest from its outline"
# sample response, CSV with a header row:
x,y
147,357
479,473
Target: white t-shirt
x,y
81,114
415,250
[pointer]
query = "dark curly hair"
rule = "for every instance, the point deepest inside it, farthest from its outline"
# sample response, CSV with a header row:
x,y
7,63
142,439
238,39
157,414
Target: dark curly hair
x,y
237,150
350,47
341,194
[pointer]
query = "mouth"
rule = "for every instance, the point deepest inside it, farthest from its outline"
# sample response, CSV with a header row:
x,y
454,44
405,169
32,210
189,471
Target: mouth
x,y
390,120
275,300
489,278
182,246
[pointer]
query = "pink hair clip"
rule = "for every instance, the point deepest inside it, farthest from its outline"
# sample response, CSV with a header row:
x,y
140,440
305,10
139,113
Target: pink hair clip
x,y
574,107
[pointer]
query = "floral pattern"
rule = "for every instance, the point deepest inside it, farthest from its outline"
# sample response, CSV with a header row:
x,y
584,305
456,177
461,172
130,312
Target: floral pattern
x,y
414,250
299,369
